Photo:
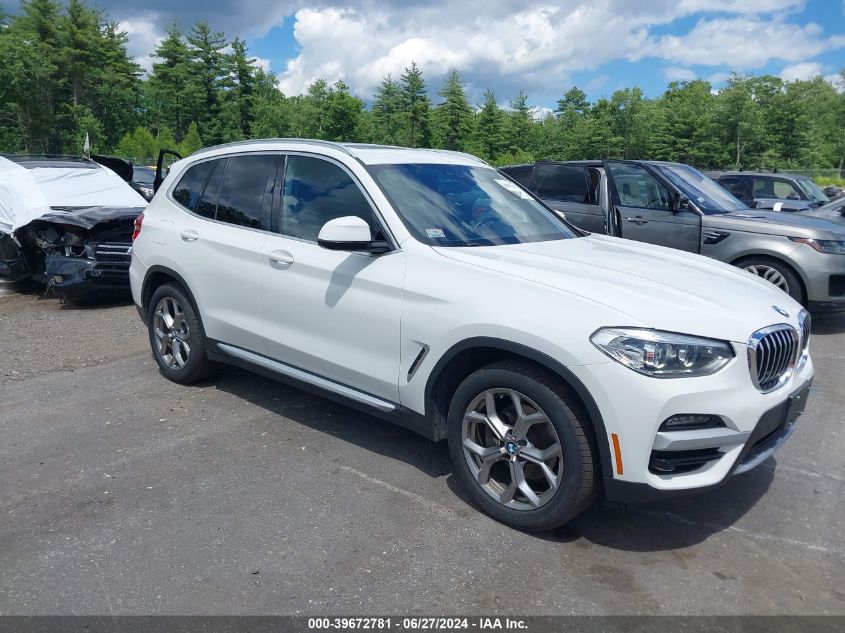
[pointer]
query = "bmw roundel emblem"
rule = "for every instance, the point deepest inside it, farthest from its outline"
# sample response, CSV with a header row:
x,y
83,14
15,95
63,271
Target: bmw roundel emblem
x,y
780,311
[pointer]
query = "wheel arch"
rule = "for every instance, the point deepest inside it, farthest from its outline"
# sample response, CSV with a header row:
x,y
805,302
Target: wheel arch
x,y
780,259
157,276
471,354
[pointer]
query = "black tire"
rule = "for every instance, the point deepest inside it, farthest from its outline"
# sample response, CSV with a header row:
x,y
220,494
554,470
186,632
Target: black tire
x,y
577,483
196,366
794,286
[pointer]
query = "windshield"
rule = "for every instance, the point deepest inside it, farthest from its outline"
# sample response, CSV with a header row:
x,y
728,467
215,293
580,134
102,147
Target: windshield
x,y
461,205
703,192
812,190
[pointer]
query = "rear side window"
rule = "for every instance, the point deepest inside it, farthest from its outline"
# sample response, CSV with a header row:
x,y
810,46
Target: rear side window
x,y
207,206
561,182
521,173
189,188
317,191
246,191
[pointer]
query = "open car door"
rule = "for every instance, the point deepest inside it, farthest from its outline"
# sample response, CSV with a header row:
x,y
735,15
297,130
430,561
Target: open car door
x,y
644,208
161,170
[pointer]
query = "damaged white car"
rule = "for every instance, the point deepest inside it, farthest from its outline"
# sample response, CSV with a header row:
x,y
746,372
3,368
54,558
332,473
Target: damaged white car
x,y
66,222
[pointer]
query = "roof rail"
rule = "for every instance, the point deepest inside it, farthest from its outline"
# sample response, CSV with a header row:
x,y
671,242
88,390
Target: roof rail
x,y
304,141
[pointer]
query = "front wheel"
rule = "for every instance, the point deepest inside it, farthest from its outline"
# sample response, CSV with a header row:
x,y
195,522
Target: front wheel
x,y
176,336
519,446
777,274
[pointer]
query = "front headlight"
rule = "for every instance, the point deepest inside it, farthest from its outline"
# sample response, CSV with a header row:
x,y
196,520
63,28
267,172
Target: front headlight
x,y
663,354
832,247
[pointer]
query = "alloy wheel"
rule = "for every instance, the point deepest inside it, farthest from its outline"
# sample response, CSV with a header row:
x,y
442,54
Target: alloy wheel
x,y
512,449
172,333
770,274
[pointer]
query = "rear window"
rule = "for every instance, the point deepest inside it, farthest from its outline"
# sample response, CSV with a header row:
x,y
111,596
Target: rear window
x,y
189,188
246,190
561,182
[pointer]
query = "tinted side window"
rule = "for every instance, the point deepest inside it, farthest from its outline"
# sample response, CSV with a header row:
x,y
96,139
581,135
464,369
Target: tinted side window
x,y
561,182
247,182
521,173
187,191
207,206
317,191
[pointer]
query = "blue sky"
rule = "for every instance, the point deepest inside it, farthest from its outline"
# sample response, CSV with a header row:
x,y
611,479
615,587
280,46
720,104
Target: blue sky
x,y
542,48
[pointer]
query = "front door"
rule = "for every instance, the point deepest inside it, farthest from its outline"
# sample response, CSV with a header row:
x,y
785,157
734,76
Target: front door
x,y
331,313
643,205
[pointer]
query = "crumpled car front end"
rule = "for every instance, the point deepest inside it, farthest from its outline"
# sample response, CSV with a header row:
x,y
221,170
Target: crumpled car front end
x,y
78,252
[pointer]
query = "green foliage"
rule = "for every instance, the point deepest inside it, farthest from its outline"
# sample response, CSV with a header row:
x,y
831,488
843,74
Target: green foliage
x,y
192,141
65,72
416,107
453,117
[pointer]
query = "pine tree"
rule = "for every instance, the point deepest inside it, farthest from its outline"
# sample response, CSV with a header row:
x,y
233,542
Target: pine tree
x,y
416,107
172,86
454,115
489,128
519,124
387,112
206,53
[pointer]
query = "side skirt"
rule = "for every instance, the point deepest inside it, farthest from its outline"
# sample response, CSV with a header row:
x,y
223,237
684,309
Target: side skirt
x,y
323,387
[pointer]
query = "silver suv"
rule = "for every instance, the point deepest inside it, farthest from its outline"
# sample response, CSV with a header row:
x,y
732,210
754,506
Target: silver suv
x,y
675,205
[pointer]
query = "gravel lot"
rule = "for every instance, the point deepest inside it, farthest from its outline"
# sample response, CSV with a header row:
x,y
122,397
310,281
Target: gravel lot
x,y
122,493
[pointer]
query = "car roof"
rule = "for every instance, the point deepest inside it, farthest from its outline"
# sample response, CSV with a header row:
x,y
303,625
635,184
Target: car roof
x,y
772,174
367,154
32,161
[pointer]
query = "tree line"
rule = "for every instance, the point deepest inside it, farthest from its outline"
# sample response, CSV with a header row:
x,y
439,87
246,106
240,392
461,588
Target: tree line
x,y
65,72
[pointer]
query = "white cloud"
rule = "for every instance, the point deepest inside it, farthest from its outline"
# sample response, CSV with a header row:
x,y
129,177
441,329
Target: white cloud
x,y
837,81
498,44
745,43
679,73
538,113
143,39
503,45
803,70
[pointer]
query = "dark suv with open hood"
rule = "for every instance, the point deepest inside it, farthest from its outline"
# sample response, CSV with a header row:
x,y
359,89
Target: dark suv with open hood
x,y
675,205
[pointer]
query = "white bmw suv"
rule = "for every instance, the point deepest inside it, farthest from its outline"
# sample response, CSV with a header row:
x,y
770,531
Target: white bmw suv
x,y
426,287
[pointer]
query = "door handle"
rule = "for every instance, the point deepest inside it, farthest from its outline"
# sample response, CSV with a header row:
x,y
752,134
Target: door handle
x,y
637,220
280,259
189,236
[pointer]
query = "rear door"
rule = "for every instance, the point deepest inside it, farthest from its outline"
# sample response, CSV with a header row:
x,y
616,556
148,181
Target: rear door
x,y
570,189
219,240
643,205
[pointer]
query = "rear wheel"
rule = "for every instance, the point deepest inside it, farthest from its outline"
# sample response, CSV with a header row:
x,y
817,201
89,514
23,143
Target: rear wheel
x,y
176,336
777,274
519,447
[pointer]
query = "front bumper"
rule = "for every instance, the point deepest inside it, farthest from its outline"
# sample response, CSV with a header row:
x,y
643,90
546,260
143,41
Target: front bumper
x,y
773,429
824,277
75,277
650,462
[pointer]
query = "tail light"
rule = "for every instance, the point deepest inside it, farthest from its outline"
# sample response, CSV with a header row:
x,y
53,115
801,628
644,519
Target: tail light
x,y
136,229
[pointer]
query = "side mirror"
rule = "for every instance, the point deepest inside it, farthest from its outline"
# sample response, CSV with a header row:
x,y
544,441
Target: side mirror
x,y
350,233
680,202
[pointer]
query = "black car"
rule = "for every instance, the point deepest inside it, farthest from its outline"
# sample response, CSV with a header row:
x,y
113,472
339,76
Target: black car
x,y
66,222
758,189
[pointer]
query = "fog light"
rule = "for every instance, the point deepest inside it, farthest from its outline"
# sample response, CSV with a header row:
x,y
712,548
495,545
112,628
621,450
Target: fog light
x,y
687,421
57,279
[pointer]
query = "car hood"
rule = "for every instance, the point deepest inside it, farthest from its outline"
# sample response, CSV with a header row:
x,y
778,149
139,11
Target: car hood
x,y
649,285
800,224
